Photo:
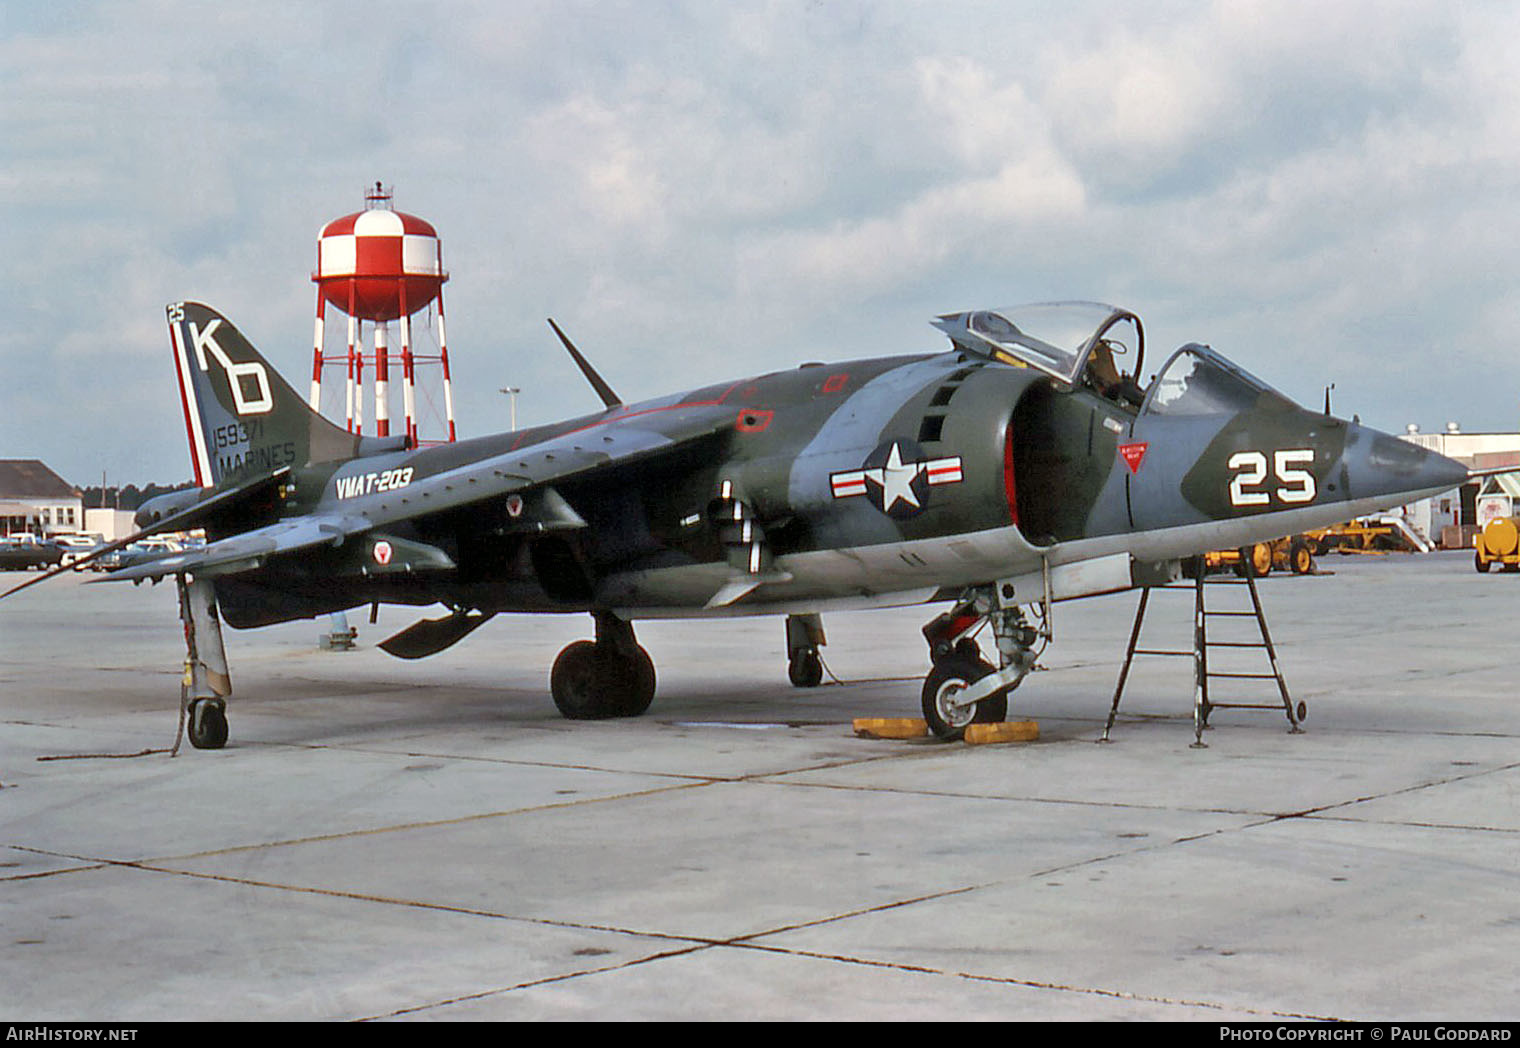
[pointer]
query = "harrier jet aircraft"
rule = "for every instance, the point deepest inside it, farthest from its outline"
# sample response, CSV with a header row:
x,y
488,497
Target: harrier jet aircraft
x,y
1022,465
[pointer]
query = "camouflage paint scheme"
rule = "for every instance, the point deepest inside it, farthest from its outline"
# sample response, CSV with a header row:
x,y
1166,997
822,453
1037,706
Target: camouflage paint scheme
x,y
622,509
1004,462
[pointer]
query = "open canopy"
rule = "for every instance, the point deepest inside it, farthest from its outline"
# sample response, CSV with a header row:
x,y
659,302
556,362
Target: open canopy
x,y
1055,337
1090,344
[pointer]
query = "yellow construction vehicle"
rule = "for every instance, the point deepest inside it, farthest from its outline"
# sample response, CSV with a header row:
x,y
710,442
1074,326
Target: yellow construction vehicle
x,y
1498,543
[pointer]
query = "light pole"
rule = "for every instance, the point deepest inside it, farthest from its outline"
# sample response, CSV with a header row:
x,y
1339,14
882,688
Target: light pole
x,y
512,392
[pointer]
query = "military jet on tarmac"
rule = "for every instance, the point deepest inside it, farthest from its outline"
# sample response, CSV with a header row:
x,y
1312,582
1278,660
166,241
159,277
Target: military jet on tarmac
x,y
1017,467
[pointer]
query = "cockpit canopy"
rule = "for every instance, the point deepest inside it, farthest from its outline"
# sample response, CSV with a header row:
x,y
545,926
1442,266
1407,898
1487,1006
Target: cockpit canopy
x,y
1055,337
1087,344
1198,381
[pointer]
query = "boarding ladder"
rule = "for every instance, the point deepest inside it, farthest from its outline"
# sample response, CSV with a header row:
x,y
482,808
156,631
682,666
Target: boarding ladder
x,y
1203,705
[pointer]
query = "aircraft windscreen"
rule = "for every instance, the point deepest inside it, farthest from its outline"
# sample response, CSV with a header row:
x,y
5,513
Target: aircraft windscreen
x,y
1197,381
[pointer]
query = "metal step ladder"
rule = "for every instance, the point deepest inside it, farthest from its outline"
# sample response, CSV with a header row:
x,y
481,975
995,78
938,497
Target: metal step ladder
x,y
1203,705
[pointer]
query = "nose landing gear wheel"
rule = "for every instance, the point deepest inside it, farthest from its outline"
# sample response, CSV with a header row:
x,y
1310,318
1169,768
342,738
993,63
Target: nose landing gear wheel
x,y
949,677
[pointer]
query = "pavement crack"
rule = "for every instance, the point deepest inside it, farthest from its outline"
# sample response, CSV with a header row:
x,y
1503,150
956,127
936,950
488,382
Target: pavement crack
x,y
1034,984
530,984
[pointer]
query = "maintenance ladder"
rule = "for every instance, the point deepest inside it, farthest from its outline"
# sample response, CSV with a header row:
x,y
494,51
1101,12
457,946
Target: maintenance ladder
x,y
1203,705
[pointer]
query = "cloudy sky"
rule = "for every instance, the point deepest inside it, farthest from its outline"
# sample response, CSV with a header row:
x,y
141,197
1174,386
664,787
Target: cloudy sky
x,y
1324,191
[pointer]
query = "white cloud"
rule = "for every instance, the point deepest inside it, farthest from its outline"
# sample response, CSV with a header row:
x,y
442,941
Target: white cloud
x,y
703,189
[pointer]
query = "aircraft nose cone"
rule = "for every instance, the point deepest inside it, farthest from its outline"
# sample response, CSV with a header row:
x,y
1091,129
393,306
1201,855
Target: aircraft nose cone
x,y
1382,466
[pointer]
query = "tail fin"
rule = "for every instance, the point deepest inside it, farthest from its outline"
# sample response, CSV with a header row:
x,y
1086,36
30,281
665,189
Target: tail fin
x,y
243,419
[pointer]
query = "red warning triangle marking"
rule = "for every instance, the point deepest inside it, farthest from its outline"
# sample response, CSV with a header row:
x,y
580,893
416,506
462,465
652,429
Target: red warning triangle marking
x,y
1133,455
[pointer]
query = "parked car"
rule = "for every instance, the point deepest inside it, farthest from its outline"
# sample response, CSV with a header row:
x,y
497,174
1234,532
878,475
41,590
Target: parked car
x,y
136,553
76,545
20,554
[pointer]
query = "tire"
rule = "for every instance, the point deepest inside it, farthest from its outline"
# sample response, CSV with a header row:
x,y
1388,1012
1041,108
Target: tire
x,y
1480,564
805,670
588,684
1255,561
207,724
948,677
993,710
573,683
1300,560
636,688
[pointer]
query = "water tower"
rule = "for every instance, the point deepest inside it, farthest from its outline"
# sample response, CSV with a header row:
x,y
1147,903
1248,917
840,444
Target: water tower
x,y
376,266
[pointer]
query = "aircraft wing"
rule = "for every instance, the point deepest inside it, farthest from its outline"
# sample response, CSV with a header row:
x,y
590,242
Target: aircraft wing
x,y
617,441
196,513
250,549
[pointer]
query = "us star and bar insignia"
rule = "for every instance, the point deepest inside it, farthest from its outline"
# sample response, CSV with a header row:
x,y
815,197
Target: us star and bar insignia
x,y
896,478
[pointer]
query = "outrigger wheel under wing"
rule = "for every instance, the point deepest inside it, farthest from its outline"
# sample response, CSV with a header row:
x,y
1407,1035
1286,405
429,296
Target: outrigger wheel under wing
x,y
206,683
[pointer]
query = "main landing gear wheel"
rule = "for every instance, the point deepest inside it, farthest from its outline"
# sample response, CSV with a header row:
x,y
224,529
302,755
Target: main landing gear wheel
x,y
592,681
949,677
207,725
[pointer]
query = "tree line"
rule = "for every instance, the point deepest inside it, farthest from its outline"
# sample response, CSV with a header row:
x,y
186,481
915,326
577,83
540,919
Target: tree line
x,y
129,497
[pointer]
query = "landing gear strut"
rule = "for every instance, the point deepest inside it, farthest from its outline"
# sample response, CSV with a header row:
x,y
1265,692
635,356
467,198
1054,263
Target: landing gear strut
x,y
206,685
804,636
611,676
964,688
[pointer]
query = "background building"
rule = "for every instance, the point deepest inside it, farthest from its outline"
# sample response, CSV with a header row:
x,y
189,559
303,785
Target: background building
x,y
1451,519
36,499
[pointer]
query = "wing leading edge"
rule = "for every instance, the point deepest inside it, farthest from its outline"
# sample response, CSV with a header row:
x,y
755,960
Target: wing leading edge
x,y
526,472
251,549
610,442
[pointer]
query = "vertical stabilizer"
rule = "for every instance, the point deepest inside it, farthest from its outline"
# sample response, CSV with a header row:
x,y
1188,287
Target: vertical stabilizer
x,y
242,418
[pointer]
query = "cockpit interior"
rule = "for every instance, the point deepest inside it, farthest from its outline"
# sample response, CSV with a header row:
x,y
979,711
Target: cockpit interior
x,y
1098,347
1063,433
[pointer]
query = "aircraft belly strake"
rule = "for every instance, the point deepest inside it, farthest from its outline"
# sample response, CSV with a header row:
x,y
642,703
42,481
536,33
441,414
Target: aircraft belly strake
x,y
1026,464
